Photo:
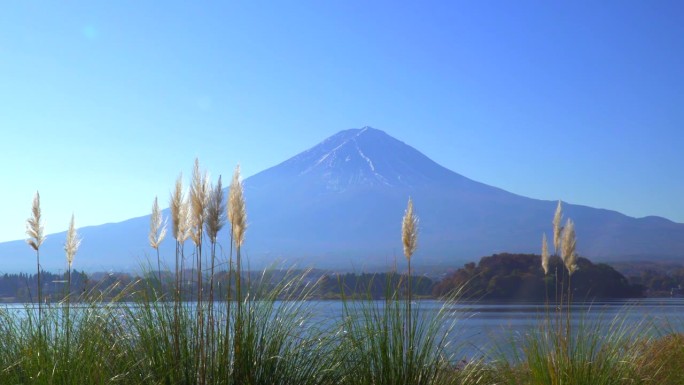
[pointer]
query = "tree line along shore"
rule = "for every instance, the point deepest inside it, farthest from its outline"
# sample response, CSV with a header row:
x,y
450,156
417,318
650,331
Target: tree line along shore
x,y
499,277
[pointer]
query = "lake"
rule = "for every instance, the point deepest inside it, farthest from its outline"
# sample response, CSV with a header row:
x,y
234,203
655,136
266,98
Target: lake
x,y
482,327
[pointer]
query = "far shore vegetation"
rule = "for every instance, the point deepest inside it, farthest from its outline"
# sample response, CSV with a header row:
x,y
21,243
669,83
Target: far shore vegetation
x,y
210,321
499,277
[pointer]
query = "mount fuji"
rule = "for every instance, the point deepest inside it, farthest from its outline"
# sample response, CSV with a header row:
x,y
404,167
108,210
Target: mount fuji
x,y
339,205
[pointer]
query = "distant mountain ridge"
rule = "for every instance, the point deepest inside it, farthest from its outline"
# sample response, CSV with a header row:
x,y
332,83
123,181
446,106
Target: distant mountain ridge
x,y
339,205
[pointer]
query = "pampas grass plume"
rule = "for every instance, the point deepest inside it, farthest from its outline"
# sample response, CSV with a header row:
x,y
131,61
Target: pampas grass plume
x,y
569,242
179,211
199,194
157,226
34,225
409,230
237,213
72,242
215,211
557,229
545,255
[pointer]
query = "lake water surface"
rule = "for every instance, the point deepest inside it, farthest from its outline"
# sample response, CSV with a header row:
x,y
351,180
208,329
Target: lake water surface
x,y
481,328
484,327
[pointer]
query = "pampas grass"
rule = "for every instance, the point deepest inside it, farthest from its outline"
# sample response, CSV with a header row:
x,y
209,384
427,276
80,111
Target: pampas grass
x,y
389,342
215,211
34,225
237,213
600,352
259,338
265,331
70,248
179,212
409,231
214,223
72,242
557,218
568,249
199,195
588,353
379,347
409,238
545,255
36,237
180,229
157,226
157,234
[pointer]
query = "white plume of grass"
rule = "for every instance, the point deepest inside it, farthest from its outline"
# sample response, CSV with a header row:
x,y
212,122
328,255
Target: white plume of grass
x,y
237,212
179,212
545,255
73,242
199,194
35,226
569,243
157,233
216,211
157,226
557,228
409,231
36,237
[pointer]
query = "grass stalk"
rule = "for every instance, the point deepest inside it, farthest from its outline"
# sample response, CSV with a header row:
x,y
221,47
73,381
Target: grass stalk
x,y
36,237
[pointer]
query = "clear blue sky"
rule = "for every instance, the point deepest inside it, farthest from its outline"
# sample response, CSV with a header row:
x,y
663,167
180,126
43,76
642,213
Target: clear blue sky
x,y
102,104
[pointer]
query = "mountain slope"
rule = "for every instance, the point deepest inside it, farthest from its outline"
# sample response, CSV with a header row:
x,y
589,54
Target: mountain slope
x,y
340,204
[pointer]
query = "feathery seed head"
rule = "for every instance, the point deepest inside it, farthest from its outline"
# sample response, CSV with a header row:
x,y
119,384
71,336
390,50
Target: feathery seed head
x,y
557,229
157,226
34,225
72,242
216,211
569,243
199,193
545,255
184,220
176,204
409,230
237,213
571,263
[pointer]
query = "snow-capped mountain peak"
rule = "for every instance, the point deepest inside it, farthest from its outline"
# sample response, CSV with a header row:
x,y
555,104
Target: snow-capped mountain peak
x,y
361,158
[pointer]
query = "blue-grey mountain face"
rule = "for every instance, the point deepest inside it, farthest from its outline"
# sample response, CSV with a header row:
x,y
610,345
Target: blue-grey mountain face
x,y
340,204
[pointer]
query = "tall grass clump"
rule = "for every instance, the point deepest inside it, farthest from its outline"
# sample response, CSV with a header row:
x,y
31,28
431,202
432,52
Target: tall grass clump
x,y
74,341
600,352
257,332
662,358
394,341
278,339
84,348
560,351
